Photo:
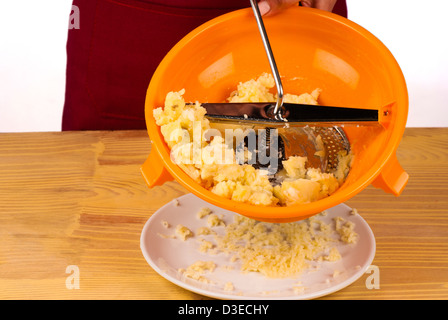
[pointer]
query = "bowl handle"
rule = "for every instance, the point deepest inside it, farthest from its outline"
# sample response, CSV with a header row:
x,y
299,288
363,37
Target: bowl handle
x,y
154,171
392,178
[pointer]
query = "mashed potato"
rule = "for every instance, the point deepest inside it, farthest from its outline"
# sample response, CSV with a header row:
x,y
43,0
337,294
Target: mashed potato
x,y
279,250
213,164
275,250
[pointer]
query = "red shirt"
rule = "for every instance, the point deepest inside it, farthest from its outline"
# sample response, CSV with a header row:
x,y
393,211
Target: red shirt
x,y
118,46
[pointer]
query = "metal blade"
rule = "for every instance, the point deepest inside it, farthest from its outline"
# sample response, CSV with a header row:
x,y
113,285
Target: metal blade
x,y
294,114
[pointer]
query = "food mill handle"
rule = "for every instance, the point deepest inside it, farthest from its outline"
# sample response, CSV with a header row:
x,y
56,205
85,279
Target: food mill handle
x,y
267,47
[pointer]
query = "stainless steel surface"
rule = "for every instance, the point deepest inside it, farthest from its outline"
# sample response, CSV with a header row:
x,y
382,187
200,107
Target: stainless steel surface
x,y
295,114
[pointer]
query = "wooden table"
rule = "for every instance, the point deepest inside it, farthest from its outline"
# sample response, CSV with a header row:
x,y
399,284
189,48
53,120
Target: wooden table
x,y
78,199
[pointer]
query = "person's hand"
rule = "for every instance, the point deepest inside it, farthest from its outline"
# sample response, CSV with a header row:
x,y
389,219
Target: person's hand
x,y
268,7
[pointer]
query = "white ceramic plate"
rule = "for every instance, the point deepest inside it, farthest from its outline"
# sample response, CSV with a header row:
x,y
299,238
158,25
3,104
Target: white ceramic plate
x,y
167,255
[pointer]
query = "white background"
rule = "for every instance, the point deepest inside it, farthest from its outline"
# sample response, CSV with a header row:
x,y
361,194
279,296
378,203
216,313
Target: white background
x,y
33,36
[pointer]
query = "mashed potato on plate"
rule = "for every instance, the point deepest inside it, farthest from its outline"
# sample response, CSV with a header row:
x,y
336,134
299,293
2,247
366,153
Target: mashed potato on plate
x,y
213,164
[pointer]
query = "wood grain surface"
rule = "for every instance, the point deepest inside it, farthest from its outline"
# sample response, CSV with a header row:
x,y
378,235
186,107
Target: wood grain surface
x,y
78,199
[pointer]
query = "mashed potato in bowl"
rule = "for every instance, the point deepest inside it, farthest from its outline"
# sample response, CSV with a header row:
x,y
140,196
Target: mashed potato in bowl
x,y
213,163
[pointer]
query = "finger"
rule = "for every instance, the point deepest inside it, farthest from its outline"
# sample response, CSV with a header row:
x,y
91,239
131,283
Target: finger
x,y
264,7
270,7
307,3
326,5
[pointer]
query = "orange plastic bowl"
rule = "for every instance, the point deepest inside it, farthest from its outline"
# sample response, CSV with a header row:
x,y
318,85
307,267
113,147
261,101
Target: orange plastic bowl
x,y
313,49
